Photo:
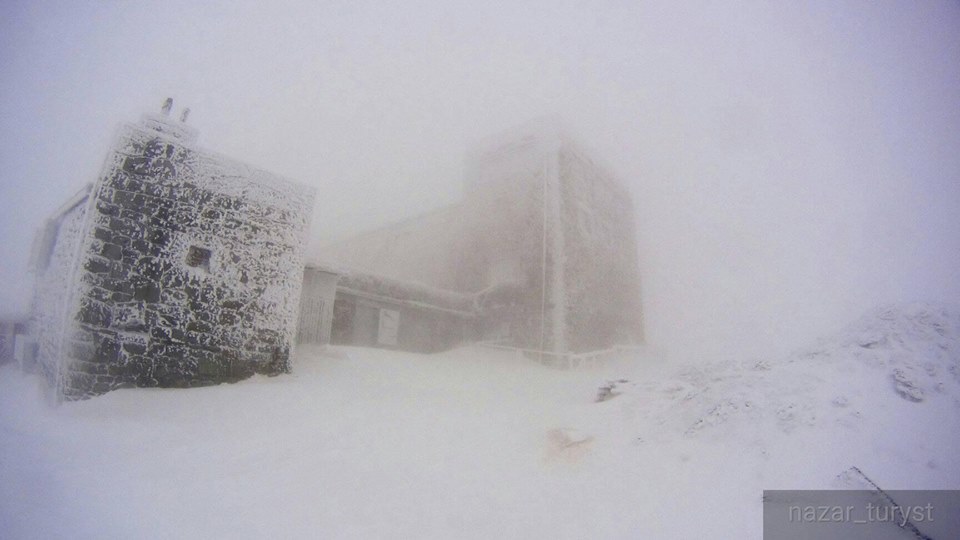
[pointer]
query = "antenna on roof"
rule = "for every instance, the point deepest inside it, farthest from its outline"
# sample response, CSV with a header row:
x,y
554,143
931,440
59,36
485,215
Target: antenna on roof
x,y
184,115
167,105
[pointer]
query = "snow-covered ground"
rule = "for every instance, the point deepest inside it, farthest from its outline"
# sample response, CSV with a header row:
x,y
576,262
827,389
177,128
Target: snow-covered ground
x,y
361,443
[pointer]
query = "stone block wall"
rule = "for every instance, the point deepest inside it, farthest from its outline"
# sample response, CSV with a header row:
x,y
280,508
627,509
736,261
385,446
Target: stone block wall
x,y
188,271
316,304
601,276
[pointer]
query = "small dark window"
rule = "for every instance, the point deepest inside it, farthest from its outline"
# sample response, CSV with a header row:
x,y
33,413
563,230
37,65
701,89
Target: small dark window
x,y
199,257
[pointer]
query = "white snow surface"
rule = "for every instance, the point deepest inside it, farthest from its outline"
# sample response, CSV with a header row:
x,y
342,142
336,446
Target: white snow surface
x,y
472,443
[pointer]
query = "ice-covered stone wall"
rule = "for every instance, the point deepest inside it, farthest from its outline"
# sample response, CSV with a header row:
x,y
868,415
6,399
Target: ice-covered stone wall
x,y
491,245
508,237
601,276
54,266
188,271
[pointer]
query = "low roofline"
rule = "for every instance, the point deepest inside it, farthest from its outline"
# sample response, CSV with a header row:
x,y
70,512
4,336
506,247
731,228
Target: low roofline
x,y
75,200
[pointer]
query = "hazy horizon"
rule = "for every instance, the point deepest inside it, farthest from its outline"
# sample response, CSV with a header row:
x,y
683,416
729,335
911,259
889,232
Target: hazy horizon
x,y
791,165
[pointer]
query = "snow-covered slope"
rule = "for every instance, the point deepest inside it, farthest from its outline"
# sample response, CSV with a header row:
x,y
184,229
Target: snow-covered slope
x,y
364,443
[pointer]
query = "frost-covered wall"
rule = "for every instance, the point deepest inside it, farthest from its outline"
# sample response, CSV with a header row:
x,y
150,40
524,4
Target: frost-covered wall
x,y
425,248
188,269
53,261
601,277
376,311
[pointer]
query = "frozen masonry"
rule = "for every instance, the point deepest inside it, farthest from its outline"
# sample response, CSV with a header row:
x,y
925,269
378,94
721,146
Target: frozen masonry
x,y
539,255
176,268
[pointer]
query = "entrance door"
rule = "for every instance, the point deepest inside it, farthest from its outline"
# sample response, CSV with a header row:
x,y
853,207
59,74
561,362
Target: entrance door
x,y
311,320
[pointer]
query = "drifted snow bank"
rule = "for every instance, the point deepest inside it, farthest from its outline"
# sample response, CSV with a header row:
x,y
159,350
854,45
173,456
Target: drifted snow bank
x,y
912,352
883,395
364,443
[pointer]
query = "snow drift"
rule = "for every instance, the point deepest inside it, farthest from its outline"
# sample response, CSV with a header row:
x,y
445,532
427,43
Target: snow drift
x,y
361,443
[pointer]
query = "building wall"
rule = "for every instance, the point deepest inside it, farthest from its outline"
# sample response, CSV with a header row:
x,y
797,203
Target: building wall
x,y
601,277
554,236
54,264
362,320
11,331
188,272
544,240
377,311
509,235
425,249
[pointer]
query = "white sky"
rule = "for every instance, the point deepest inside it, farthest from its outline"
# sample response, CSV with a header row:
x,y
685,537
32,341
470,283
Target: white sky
x,y
792,165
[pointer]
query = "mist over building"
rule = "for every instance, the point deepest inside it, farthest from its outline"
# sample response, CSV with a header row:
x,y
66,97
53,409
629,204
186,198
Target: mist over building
x,y
541,251
179,267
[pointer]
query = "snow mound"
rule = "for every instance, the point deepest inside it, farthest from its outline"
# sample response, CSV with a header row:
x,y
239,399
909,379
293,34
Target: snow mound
x,y
912,352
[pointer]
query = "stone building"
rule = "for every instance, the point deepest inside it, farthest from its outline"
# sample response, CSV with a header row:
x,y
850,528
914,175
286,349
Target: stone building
x,y
177,267
540,254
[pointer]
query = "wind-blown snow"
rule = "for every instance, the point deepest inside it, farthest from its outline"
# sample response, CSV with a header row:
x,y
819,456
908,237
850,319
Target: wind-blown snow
x,y
361,443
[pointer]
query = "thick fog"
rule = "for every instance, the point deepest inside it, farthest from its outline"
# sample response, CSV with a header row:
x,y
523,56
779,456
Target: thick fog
x,y
791,165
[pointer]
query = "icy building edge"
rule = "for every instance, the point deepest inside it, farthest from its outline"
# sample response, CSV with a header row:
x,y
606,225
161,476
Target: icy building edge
x,y
176,268
551,245
540,255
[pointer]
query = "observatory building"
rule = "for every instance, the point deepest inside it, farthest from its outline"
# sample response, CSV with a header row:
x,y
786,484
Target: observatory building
x,y
179,267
